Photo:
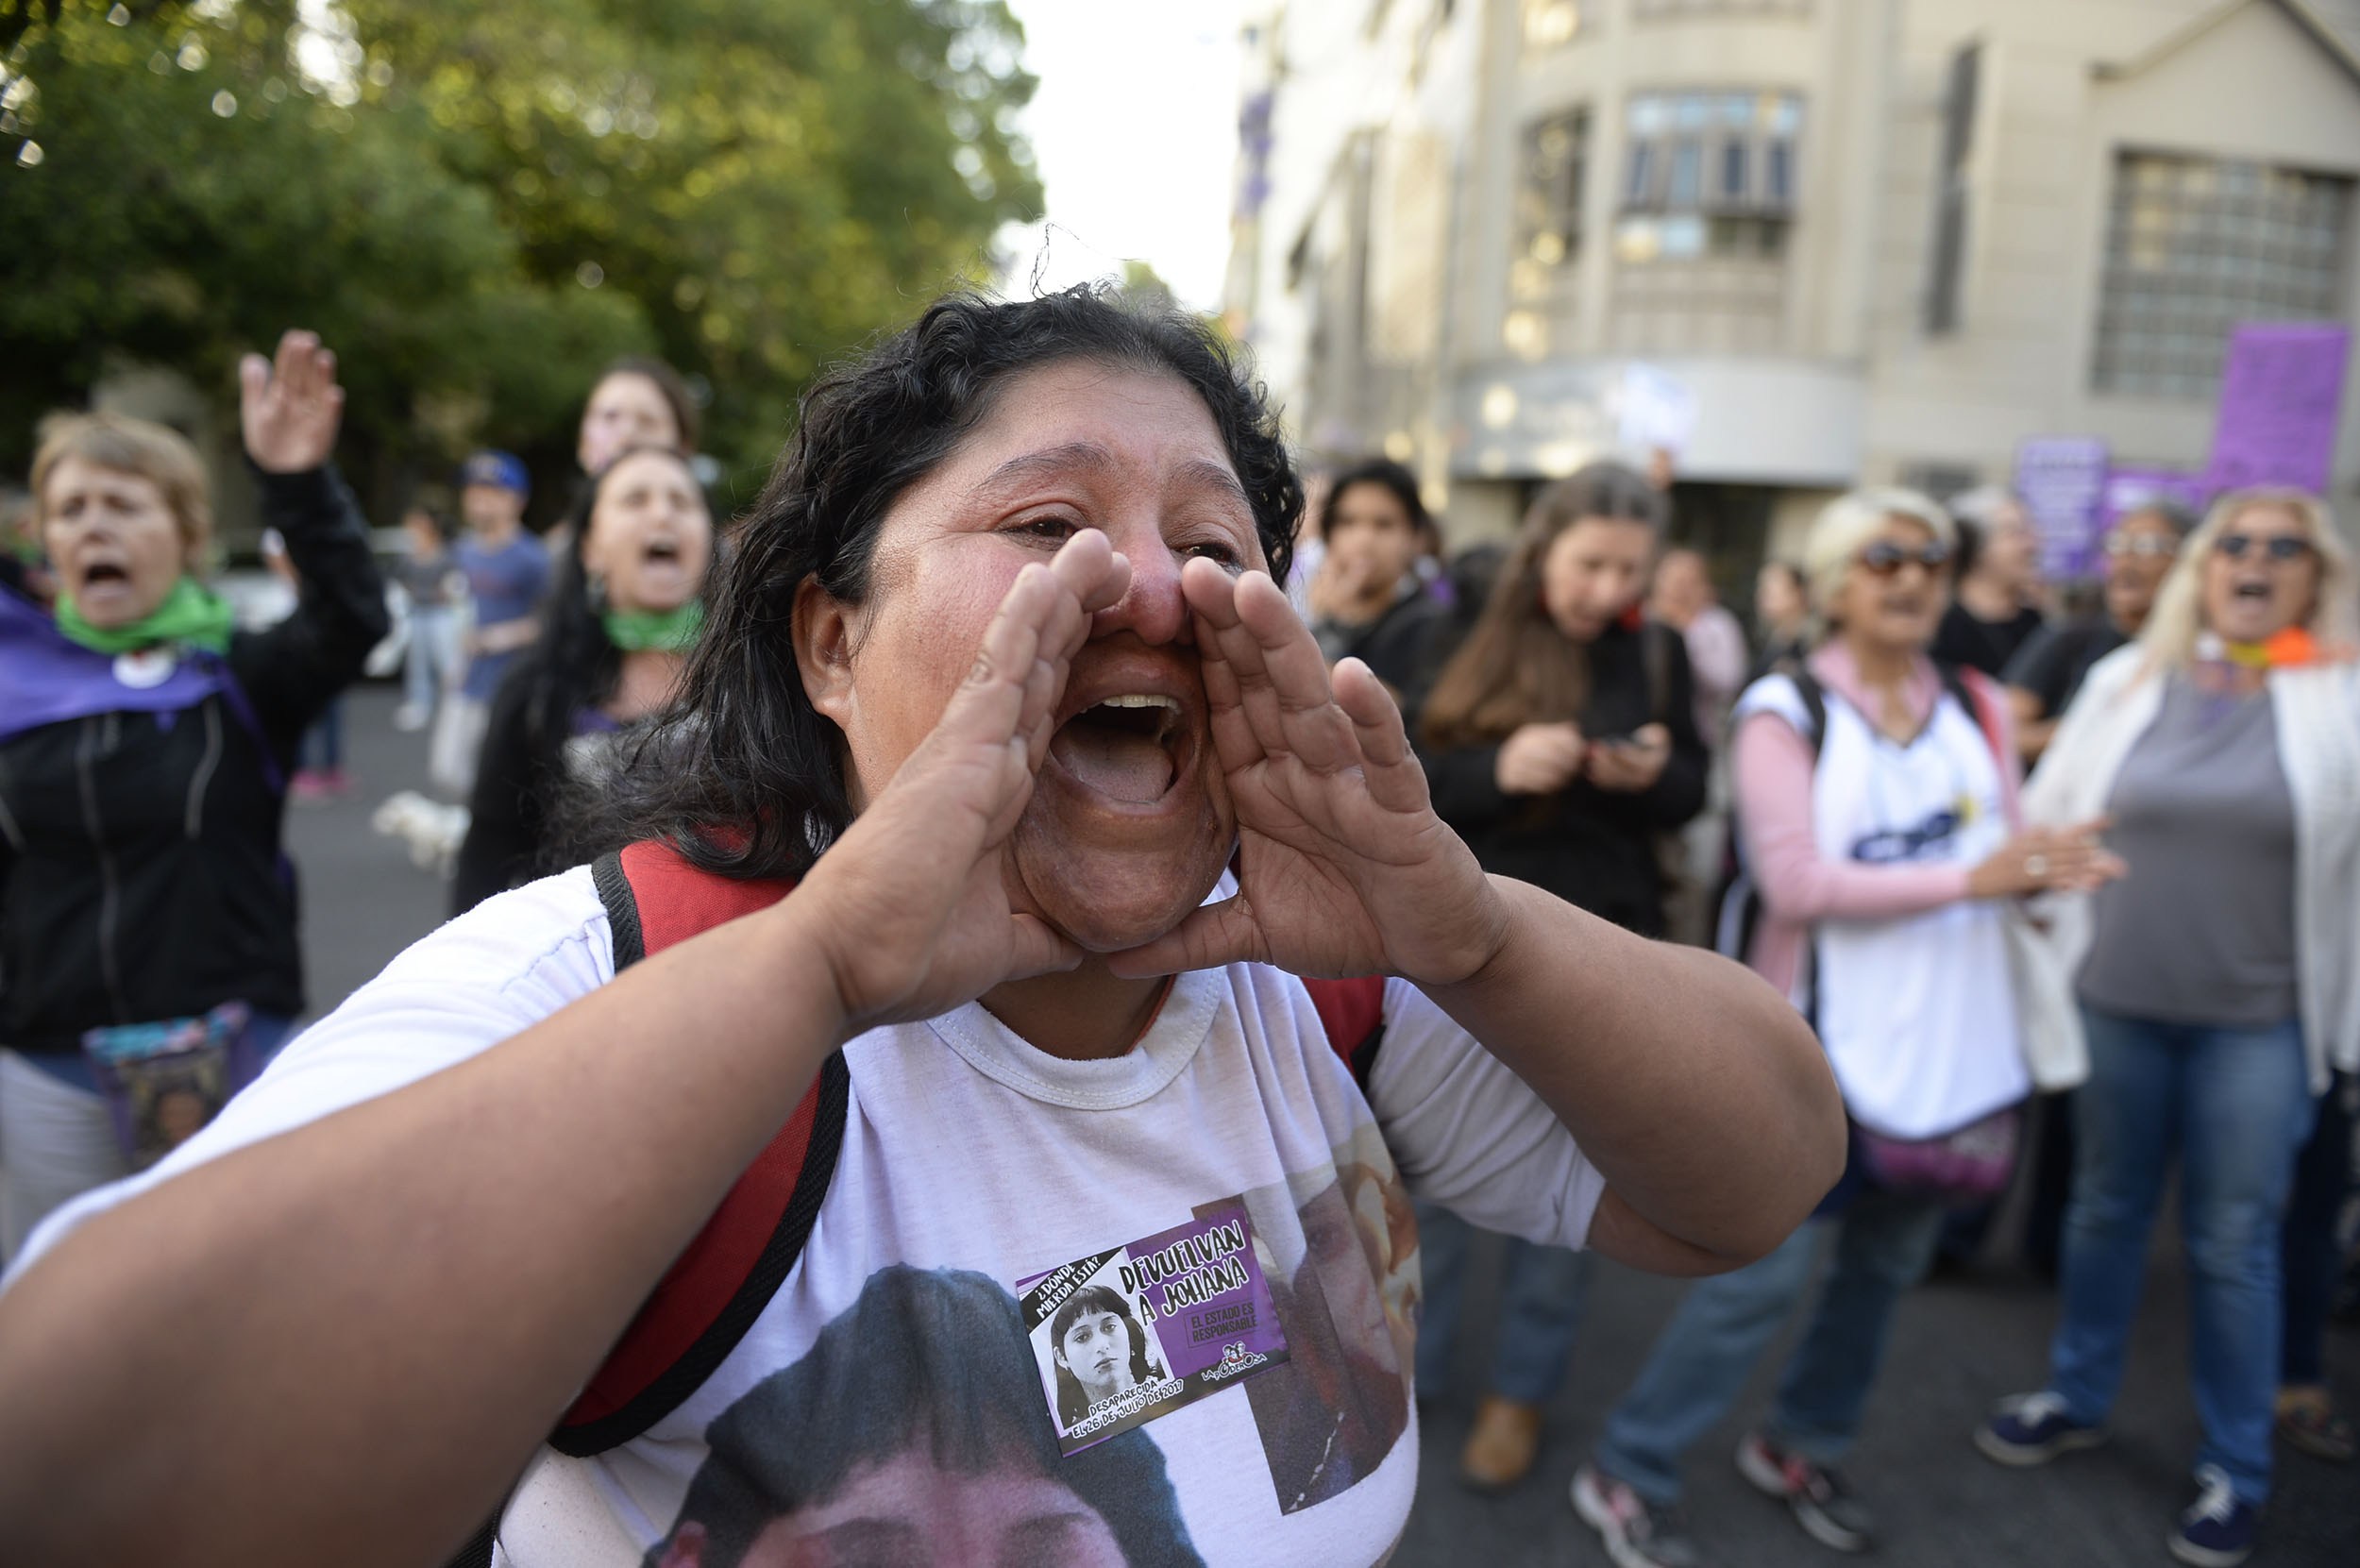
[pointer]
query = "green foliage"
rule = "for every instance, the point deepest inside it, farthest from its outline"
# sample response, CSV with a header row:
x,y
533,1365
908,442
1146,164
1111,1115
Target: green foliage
x,y
478,204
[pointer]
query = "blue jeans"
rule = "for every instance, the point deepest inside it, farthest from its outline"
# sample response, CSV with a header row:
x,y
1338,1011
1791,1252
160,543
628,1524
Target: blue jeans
x,y
1883,1243
2235,1105
324,742
433,651
1541,1296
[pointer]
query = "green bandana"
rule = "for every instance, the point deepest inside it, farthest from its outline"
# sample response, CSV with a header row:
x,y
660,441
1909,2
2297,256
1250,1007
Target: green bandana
x,y
192,613
665,631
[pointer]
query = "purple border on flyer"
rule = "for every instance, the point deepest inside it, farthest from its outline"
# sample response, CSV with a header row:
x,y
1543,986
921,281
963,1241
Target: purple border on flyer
x,y
1196,1291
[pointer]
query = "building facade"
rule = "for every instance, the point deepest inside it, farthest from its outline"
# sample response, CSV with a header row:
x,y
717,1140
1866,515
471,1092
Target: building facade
x,y
1858,239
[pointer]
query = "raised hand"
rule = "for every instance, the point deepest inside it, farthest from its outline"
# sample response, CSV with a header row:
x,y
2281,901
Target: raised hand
x,y
1343,866
914,911
291,408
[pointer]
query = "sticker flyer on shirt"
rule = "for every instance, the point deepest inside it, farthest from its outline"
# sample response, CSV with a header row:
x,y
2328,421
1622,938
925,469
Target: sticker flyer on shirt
x,y
1126,1336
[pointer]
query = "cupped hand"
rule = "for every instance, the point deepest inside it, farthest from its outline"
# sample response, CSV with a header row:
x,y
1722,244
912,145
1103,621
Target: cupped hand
x,y
2072,859
910,906
290,408
1343,868
1539,759
1631,766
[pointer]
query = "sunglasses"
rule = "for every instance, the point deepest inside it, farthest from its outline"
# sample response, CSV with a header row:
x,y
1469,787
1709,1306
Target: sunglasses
x,y
1884,558
2283,547
2141,544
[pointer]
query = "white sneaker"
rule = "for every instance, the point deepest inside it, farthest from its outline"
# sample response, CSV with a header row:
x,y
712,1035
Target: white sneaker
x,y
408,718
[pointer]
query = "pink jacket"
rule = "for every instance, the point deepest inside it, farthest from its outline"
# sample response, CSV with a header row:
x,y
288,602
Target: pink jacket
x,y
1801,886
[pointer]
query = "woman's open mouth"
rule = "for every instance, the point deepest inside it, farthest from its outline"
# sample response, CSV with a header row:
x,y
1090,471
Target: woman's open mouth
x,y
99,574
1126,748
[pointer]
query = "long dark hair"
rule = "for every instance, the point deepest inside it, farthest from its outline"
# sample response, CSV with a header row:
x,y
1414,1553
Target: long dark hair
x,y
744,777
573,664
1516,667
1072,1404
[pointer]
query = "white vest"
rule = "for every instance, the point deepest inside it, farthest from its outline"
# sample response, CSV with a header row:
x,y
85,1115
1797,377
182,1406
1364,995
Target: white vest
x,y
1916,1011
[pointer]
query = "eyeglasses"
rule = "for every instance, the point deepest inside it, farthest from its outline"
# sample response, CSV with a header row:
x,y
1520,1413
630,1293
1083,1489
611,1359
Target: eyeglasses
x,y
2281,546
1884,558
2141,544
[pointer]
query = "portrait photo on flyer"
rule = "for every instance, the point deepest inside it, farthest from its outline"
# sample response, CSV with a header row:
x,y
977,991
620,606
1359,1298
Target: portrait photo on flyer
x,y
1126,1336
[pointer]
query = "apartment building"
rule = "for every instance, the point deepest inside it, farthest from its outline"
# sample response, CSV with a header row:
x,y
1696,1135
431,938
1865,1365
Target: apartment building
x,y
1867,240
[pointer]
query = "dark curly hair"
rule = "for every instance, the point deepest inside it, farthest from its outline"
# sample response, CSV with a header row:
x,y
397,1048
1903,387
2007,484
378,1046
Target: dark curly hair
x,y
744,777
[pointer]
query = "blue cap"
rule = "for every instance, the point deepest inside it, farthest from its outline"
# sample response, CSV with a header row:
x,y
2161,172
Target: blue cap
x,y
499,470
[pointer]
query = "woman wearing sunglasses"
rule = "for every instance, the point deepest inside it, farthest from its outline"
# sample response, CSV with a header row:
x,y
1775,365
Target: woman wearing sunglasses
x,y
2213,989
1874,795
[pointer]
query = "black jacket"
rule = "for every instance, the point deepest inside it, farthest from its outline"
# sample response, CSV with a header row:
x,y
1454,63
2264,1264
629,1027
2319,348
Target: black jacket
x,y
1594,849
520,776
1398,646
141,874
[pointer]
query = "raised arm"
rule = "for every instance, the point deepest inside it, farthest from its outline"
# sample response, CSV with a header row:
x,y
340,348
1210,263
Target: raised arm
x,y
291,408
1688,1082
341,1343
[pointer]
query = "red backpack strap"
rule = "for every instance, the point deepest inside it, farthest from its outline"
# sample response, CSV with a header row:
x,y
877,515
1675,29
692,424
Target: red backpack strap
x,y
715,1290
1353,1013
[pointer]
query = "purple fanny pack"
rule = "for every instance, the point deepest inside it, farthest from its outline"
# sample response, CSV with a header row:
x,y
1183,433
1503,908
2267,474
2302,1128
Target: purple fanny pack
x,y
1961,1168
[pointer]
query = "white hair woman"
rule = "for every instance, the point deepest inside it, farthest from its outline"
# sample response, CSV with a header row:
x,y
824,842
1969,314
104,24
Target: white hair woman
x,y
2213,989
1874,793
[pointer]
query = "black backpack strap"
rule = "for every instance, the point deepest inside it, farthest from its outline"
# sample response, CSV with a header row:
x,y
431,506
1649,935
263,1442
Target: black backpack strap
x,y
1976,704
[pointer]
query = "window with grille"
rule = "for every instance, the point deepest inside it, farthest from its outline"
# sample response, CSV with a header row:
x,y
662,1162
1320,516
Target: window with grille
x,y
1549,193
1708,173
2195,245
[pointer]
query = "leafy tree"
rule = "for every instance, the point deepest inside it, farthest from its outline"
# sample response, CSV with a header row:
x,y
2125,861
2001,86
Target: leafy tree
x,y
477,205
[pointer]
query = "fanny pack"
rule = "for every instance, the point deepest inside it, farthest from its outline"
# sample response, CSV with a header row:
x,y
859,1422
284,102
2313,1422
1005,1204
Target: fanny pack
x,y
164,1080
1961,1169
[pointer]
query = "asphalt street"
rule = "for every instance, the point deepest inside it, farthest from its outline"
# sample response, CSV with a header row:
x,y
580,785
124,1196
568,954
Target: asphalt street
x,y
1958,1343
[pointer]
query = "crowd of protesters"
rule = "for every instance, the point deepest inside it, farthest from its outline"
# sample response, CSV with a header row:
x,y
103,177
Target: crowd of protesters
x,y
2067,901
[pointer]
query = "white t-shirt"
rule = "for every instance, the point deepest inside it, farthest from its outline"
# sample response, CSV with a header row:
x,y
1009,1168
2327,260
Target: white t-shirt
x,y
887,1396
1917,1012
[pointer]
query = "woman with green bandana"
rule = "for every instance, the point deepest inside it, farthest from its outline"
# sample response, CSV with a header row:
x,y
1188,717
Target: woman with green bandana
x,y
624,607
144,743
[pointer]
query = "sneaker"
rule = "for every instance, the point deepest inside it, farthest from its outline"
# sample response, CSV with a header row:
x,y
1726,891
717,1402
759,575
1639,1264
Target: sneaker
x,y
1816,1495
2033,1429
1636,1534
2216,1531
411,720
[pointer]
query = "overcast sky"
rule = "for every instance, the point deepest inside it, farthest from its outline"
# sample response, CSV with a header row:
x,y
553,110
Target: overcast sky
x,y
1134,127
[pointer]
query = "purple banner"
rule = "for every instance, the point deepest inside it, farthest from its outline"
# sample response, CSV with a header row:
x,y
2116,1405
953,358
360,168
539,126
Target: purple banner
x,y
1124,1336
2062,480
2282,391
2127,489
